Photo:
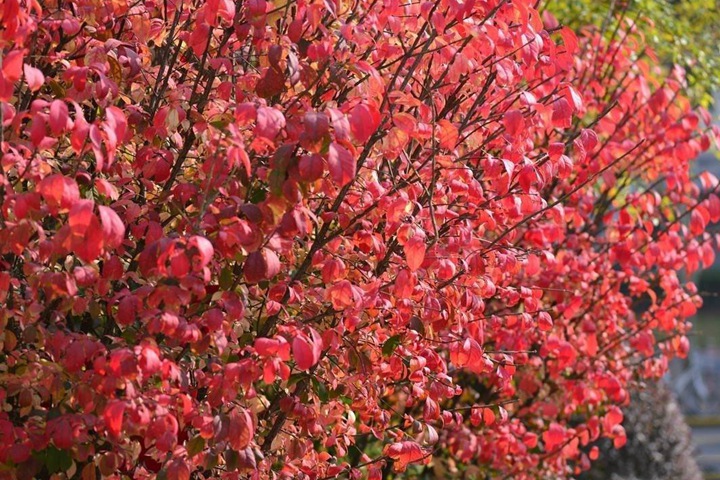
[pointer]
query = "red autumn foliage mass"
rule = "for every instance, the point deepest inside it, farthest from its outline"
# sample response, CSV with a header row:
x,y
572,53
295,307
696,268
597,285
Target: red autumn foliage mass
x,y
323,239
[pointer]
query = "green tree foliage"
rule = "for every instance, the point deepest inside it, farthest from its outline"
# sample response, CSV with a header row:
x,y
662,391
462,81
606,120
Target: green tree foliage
x,y
682,32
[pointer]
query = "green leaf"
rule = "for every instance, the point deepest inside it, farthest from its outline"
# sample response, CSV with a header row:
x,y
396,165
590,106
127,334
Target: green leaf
x,y
390,345
320,390
232,460
295,378
57,460
195,446
276,179
226,279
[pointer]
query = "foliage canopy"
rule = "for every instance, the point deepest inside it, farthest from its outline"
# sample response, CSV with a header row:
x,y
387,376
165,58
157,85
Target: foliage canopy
x,y
320,239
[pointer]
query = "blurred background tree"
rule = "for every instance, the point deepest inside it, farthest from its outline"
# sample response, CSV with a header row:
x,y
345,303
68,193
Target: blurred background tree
x,y
658,445
682,32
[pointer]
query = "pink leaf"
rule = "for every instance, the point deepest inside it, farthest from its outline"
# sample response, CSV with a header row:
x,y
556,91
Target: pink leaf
x,y
34,77
569,39
113,228
272,346
340,124
269,122
613,417
527,178
59,117
178,469
341,164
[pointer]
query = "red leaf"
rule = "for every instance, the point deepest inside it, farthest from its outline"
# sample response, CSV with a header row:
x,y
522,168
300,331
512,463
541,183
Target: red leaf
x,y
19,453
562,113
106,188
569,39
620,437
59,192
488,416
553,437
307,350
273,346
405,122
242,429
405,453
113,228
311,167
205,251
573,97
86,233
364,121
527,178
404,284
238,155
415,252
149,359
588,139
334,269
317,126
341,164
514,122
271,83
113,416
127,310
178,470
545,322
468,354
613,417
261,265
530,440
341,295
80,217
697,222
12,65
447,134
115,126
80,131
